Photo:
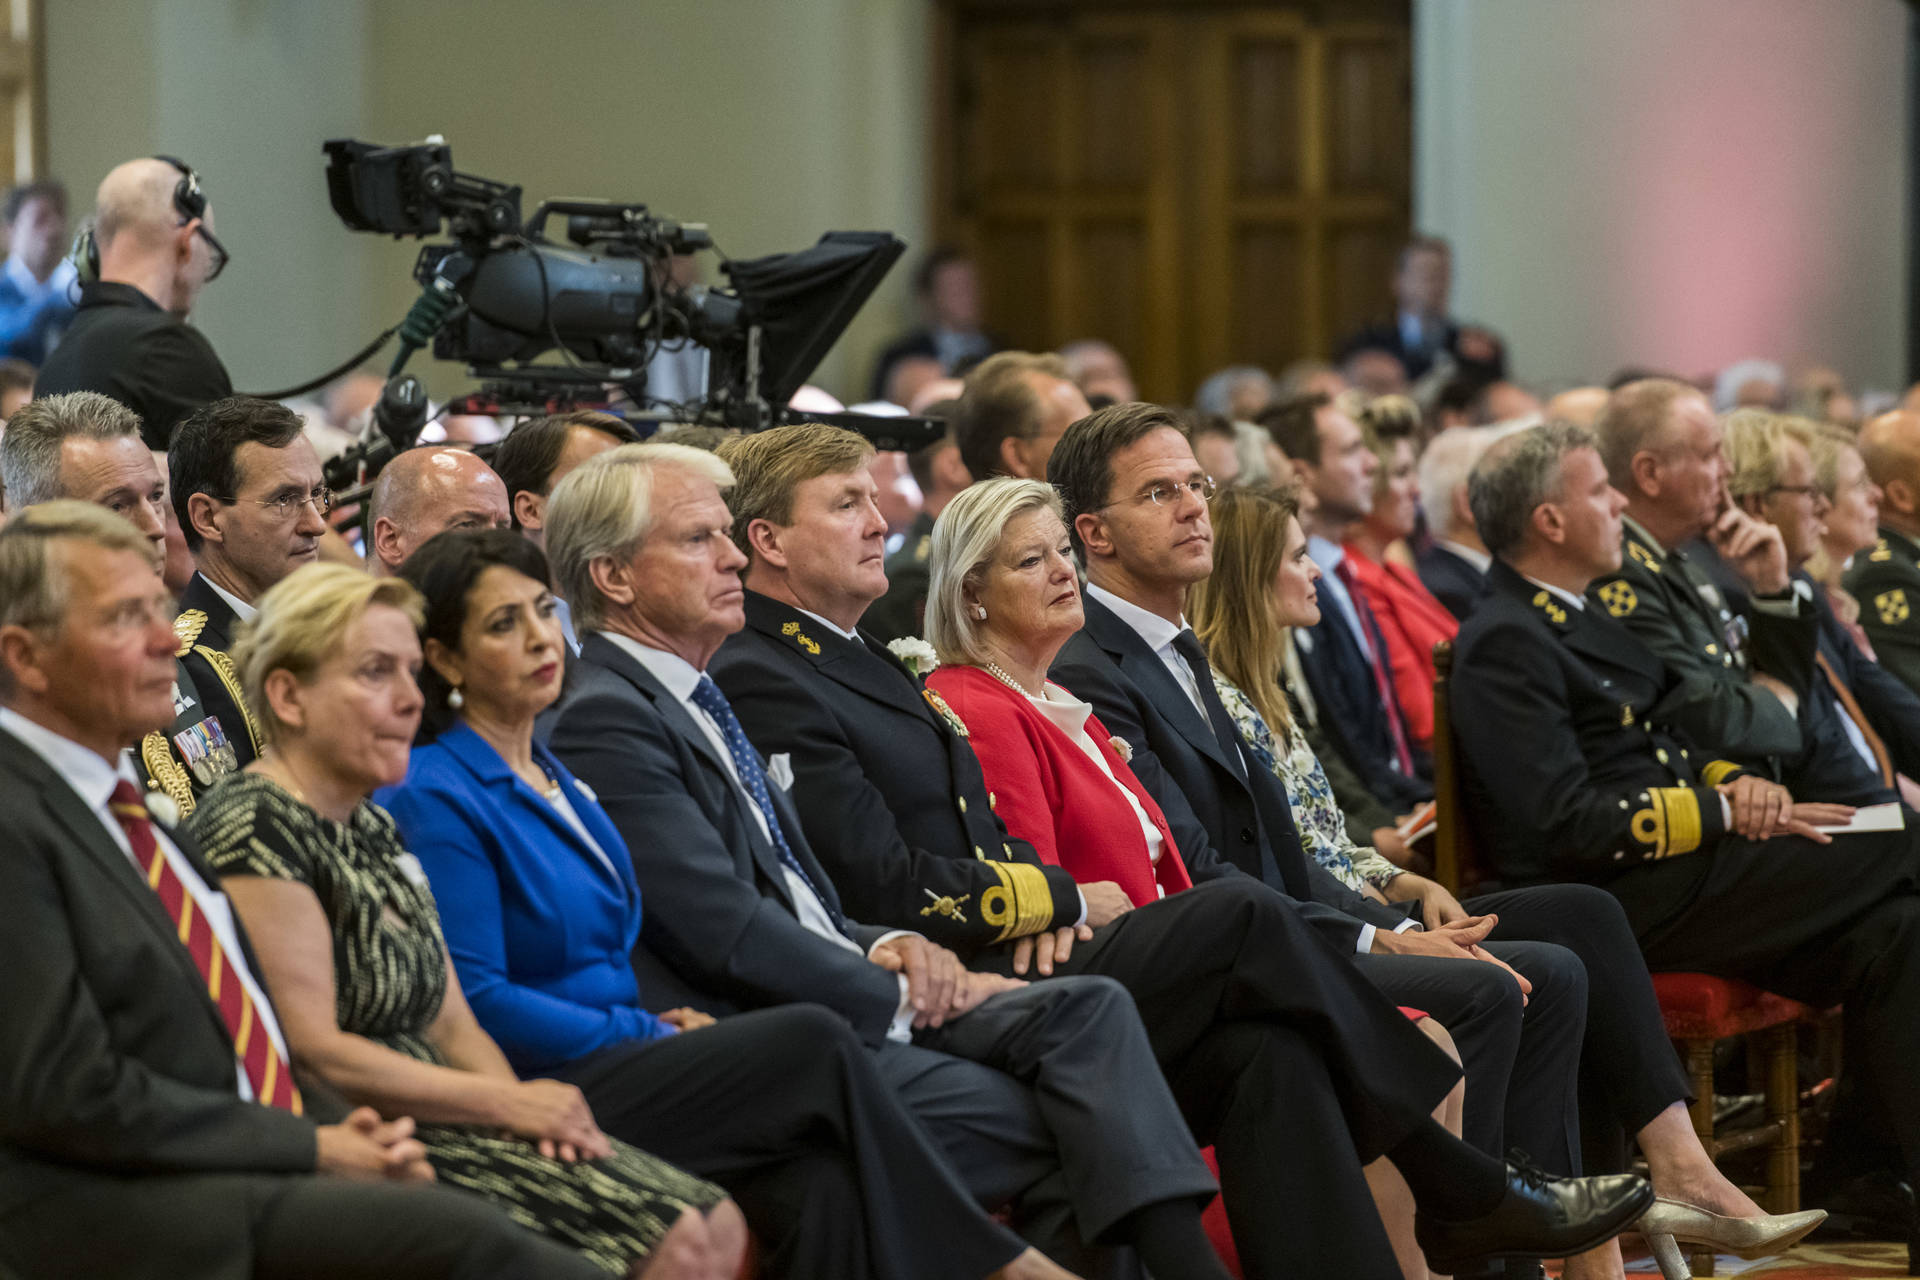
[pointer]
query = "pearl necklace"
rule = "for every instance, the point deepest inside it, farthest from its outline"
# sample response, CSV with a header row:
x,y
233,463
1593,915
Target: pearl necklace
x,y
995,670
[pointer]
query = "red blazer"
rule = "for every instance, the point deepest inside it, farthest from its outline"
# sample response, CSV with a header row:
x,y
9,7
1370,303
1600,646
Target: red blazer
x,y
1412,622
1051,795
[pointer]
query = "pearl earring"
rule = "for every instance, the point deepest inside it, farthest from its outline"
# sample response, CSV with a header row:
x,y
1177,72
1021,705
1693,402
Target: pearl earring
x,y
455,700
980,612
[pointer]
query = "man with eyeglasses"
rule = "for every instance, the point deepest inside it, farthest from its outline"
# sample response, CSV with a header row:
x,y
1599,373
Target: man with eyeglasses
x,y
130,338
248,490
426,491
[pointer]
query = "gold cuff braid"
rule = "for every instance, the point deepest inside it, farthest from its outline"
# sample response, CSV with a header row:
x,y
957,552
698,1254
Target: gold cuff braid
x,y
1670,824
1021,904
1717,772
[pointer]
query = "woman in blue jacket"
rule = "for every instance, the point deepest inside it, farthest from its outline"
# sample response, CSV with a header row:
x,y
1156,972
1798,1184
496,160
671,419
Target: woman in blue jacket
x,y
541,912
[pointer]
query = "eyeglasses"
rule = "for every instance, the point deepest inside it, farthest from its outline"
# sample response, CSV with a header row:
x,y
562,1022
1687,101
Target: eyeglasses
x,y
217,250
1798,490
284,507
1167,493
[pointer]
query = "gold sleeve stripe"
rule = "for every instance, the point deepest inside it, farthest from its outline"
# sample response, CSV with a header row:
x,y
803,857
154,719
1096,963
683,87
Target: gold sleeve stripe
x,y
1716,772
1020,904
1670,824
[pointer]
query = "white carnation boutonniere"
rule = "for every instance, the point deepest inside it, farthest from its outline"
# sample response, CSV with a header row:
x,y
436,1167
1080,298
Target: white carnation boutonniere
x,y
1122,748
164,808
916,653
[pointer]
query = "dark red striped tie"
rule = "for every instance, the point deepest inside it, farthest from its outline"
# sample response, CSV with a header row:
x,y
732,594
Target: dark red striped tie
x,y
266,1069
1382,680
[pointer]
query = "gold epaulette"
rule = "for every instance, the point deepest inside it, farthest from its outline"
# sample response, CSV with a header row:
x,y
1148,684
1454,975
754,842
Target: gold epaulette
x,y
187,628
164,773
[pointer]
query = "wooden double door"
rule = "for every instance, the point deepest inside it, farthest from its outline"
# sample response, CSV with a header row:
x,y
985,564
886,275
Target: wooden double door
x,y
1200,184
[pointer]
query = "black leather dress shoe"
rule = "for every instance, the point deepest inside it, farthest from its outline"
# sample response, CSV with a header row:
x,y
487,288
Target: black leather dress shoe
x,y
1540,1216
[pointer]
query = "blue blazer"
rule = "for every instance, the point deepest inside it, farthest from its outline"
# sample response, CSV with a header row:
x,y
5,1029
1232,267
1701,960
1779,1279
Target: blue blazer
x,y
539,929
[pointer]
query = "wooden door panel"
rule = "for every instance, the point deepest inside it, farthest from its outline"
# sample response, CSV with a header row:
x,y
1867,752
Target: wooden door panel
x,y
1198,184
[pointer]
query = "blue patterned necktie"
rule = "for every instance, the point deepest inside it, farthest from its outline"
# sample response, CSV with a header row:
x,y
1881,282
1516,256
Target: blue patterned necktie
x,y
746,761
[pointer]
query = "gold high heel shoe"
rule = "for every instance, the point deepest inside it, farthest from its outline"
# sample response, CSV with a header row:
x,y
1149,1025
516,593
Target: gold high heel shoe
x,y
1671,1223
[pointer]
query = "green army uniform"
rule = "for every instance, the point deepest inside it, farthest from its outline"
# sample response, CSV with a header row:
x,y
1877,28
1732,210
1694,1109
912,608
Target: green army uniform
x,y
1886,582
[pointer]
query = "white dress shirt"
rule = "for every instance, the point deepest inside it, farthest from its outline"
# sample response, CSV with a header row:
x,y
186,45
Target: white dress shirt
x,y
93,780
1329,556
1474,556
680,678
1159,635
241,608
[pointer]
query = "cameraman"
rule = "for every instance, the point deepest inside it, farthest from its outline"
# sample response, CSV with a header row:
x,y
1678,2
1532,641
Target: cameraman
x,y
130,338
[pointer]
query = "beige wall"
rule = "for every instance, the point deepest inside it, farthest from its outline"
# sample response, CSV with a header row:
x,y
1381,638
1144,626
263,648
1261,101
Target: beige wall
x,y
1672,182
771,120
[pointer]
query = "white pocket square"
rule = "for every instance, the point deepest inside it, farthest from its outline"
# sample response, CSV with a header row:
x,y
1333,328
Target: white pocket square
x,y
780,770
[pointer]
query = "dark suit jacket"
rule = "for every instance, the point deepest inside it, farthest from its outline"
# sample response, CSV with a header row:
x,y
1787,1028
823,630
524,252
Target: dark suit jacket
x,y
890,796
1886,581
1655,595
1575,769
206,627
902,610
540,930
121,344
1454,582
114,1061
720,921
1224,816
1351,711
1386,336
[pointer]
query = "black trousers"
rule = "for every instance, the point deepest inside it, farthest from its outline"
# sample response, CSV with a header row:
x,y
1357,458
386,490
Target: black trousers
x,y
1076,1051
1825,924
1629,1072
1282,1057
784,1108
256,1226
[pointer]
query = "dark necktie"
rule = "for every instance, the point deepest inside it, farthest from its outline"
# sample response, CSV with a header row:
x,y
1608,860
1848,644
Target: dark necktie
x,y
266,1070
1188,646
1375,652
746,762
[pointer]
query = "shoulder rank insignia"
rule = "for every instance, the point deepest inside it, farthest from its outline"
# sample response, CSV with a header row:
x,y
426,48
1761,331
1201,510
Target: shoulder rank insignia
x,y
949,907
1881,552
1893,606
1544,601
1643,556
1626,715
922,549
792,629
187,628
945,712
1619,598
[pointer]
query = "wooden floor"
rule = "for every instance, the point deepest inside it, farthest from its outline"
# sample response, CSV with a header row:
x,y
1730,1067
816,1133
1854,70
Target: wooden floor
x,y
1817,1261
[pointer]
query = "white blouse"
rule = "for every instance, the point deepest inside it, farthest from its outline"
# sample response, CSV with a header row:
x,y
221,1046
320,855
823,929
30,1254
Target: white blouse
x,y
1070,716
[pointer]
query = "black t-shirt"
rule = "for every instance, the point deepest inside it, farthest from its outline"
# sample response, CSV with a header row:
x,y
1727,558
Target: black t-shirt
x,y
123,345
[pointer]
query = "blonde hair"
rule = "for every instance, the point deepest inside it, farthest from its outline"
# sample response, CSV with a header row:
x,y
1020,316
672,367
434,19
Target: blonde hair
x,y
303,619
604,509
33,579
1232,610
769,466
965,537
1756,447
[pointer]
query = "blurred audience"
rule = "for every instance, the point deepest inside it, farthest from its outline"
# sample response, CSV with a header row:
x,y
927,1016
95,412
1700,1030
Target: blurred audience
x,y
952,320
1013,412
1100,371
1237,393
1423,331
1886,580
37,284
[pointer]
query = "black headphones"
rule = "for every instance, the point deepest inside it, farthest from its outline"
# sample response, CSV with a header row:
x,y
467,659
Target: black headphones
x,y
189,201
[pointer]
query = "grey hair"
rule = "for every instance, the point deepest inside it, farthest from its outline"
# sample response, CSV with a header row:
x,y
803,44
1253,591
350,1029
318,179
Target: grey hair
x,y
1516,476
33,583
1216,393
30,448
604,509
965,537
1450,458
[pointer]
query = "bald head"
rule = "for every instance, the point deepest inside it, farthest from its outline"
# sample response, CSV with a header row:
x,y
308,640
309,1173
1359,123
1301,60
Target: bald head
x,y
427,491
1578,405
1890,444
142,238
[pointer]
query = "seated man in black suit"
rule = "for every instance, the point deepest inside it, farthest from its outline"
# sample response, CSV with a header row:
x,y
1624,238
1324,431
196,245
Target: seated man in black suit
x,y
1047,1096
1576,770
148,1123
1148,680
253,506
892,800
1422,332
1454,566
1345,655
